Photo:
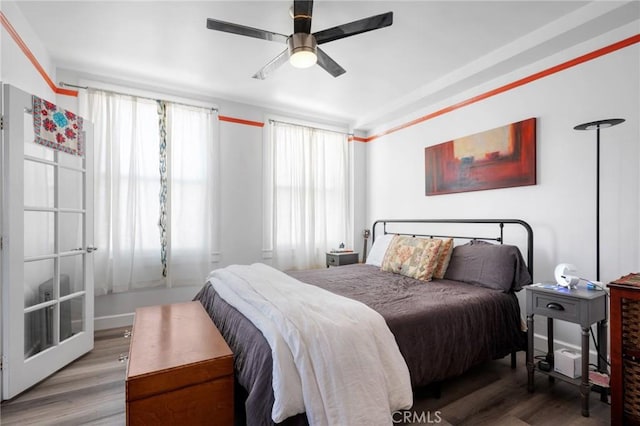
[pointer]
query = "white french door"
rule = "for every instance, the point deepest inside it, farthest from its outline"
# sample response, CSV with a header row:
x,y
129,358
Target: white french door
x,y
47,236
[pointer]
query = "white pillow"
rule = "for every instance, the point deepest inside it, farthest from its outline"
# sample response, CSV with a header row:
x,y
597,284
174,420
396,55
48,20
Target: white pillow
x,y
378,250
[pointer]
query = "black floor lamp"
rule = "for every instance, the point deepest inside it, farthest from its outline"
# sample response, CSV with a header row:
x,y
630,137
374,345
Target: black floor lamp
x,y
597,125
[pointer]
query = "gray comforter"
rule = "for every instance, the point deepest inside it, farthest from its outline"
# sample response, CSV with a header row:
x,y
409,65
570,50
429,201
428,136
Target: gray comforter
x,y
442,328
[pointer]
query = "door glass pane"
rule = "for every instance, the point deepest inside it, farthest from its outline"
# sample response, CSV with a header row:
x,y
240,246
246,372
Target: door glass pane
x,y
38,184
71,274
66,159
38,331
70,231
38,282
38,233
30,147
71,317
70,189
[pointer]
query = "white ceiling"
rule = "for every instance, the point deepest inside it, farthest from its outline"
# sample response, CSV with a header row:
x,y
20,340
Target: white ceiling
x,y
433,48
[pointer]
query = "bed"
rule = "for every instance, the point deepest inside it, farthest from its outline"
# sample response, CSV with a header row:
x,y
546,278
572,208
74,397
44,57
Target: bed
x,y
442,328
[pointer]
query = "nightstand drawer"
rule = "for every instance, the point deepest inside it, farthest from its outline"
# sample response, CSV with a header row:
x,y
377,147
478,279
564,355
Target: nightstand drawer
x,y
558,307
338,259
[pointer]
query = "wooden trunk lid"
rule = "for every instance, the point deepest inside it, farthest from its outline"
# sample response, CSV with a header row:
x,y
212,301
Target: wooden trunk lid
x,y
174,346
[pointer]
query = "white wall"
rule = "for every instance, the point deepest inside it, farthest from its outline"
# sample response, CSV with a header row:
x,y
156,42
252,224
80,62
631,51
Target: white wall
x,y
561,207
16,68
241,194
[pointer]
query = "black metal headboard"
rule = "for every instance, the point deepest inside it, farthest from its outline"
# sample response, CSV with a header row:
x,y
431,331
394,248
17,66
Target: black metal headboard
x,y
500,222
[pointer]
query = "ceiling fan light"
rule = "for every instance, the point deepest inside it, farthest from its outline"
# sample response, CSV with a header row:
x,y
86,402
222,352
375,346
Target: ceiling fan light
x,y
303,59
302,50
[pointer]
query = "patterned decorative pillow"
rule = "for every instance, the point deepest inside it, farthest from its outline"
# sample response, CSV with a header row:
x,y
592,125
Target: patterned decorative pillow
x,y
444,256
412,257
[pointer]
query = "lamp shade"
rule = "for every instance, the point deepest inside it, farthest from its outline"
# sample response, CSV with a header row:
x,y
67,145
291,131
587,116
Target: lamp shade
x,y
600,124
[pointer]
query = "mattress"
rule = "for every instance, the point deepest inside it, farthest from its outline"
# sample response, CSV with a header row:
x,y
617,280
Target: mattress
x,y
442,328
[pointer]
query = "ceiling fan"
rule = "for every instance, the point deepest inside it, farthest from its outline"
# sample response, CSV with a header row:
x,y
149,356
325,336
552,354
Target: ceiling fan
x,y
303,50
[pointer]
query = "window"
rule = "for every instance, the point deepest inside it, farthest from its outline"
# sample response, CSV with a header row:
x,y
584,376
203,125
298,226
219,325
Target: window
x,y
154,164
307,194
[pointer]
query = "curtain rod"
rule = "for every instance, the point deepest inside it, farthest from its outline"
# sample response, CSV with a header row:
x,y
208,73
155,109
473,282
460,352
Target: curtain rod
x,y
310,127
62,83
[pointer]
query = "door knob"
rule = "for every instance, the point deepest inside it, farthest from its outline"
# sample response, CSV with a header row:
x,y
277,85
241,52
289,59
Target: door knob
x,y
91,249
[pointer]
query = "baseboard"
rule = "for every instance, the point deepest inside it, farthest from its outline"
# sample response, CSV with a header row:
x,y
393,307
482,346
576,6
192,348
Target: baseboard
x,y
113,321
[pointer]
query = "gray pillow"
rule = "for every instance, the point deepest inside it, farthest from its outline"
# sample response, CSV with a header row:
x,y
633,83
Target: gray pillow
x,y
496,266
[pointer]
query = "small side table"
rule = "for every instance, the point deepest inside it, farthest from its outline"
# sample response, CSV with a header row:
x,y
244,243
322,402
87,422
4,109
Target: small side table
x,y
580,306
339,259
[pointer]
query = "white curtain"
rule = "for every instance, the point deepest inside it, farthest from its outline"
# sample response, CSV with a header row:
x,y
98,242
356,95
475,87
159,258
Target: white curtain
x,y
190,135
127,193
307,194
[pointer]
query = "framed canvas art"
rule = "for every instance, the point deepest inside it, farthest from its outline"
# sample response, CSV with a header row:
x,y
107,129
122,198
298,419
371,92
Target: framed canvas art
x,y
498,158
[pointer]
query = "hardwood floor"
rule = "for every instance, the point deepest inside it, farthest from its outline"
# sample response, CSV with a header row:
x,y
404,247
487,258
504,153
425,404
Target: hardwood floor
x,y
91,391
88,391
494,394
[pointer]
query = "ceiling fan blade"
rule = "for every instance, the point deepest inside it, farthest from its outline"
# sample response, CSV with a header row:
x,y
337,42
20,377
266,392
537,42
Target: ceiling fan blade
x,y
302,11
272,65
228,27
328,64
355,27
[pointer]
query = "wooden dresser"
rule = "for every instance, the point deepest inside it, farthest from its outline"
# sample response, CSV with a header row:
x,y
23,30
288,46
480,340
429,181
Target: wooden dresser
x,y
180,368
625,350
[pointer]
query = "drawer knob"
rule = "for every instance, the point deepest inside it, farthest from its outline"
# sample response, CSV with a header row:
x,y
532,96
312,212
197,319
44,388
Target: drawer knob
x,y
555,306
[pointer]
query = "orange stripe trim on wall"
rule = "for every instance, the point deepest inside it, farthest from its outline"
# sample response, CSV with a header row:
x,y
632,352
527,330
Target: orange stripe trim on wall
x,y
240,121
533,77
21,44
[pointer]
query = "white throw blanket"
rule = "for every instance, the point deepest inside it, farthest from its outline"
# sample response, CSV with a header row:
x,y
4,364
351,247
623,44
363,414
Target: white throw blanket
x,y
333,357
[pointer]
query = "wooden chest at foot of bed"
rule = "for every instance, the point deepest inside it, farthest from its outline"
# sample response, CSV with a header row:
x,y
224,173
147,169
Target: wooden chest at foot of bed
x,y
180,368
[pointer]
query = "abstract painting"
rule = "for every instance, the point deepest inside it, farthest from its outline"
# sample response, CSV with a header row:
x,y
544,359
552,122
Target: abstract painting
x,y
499,158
